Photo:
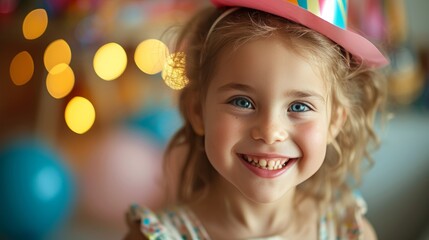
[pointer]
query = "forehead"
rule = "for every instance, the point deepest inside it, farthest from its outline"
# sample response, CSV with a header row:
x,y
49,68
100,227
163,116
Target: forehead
x,y
268,58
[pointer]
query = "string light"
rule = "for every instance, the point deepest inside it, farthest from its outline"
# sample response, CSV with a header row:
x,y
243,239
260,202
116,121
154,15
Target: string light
x,y
56,53
110,61
60,81
21,68
79,115
150,56
35,24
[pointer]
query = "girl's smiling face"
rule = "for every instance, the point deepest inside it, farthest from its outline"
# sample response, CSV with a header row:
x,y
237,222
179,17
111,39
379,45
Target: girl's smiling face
x,y
267,104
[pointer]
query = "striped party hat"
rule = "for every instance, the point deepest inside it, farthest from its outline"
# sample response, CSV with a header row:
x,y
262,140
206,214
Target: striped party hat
x,y
328,17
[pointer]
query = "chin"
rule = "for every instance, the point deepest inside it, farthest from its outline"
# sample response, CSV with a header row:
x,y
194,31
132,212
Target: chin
x,y
265,196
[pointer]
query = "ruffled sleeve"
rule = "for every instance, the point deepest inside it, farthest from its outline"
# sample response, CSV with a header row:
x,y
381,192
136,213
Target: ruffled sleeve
x,y
344,223
170,224
149,224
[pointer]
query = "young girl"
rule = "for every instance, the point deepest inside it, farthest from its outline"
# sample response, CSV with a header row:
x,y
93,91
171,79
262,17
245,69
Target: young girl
x,y
278,114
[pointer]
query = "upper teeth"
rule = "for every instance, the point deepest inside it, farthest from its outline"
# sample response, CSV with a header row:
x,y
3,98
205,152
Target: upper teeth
x,y
270,164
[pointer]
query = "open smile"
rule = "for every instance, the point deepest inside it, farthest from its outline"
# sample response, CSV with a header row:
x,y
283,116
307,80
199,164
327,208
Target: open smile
x,y
267,167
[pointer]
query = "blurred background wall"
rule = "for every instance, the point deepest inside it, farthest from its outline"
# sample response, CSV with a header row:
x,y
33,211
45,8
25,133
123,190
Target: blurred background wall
x,y
397,187
87,105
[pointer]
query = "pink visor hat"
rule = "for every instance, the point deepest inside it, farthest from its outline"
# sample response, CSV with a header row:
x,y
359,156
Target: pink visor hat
x,y
328,17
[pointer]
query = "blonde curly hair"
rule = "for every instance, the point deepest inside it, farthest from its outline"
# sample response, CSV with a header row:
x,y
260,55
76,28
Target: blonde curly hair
x,y
358,89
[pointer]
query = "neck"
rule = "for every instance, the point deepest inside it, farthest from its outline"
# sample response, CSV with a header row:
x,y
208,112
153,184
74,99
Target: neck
x,y
239,212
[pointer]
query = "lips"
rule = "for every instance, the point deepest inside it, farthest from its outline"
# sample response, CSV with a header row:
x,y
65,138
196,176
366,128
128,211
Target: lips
x,y
267,166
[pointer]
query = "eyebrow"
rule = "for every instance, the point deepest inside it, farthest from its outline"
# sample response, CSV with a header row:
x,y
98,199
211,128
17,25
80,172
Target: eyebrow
x,y
236,86
305,94
290,93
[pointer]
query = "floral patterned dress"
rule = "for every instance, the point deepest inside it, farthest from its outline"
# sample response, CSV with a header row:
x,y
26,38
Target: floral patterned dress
x,y
181,224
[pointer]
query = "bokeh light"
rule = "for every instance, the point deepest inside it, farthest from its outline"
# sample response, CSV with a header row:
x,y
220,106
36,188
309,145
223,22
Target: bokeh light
x,y
35,24
110,61
174,71
79,115
151,55
21,68
56,53
60,81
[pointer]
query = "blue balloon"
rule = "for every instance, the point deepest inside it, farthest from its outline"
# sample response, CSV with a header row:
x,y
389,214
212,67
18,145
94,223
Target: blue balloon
x,y
158,123
36,190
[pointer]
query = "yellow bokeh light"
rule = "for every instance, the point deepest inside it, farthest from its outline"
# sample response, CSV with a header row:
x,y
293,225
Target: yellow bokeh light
x,y
79,115
35,24
56,53
174,71
110,61
60,81
21,68
151,55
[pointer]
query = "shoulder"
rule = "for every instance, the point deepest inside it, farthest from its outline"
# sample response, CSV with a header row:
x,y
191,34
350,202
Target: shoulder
x,y
133,230
347,222
366,229
142,224
171,223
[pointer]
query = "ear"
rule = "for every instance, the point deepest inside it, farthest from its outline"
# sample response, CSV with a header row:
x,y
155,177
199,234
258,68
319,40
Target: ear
x,y
196,116
339,117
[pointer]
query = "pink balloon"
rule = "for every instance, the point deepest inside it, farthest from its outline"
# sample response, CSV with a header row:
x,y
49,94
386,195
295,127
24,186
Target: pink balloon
x,y
124,168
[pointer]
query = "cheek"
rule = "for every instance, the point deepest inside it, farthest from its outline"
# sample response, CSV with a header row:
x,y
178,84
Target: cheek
x,y
221,133
312,140
219,127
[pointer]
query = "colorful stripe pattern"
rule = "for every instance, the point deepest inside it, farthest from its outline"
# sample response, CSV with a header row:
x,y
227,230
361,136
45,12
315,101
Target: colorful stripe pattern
x,y
333,11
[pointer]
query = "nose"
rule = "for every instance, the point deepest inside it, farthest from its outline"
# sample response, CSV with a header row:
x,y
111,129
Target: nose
x,y
270,130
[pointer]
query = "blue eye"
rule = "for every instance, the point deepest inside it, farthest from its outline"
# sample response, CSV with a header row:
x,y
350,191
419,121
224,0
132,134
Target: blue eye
x,y
298,107
242,102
